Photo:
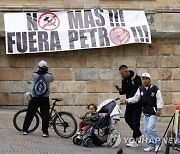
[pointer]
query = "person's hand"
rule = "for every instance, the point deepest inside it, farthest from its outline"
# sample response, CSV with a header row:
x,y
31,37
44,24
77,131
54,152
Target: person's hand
x,y
158,113
118,88
88,115
122,102
80,117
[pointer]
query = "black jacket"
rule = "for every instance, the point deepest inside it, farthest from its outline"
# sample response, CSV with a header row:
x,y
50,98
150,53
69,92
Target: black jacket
x,y
130,85
148,99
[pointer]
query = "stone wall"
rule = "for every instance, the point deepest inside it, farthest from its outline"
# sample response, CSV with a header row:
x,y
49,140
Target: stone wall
x,y
88,76
14,5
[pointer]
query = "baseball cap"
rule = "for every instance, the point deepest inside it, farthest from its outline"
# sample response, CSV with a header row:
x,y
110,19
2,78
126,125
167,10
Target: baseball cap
x,y
147,75
42,64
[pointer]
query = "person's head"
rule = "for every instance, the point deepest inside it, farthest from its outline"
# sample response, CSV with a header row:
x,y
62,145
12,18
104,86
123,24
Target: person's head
x,y
124,71
146,79
92,108
43,66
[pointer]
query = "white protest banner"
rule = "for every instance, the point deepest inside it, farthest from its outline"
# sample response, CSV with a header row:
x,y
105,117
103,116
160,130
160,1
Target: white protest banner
x,y
74,30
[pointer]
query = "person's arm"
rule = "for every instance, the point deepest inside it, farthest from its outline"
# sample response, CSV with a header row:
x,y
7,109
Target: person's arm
x,y
34,76
135,98
86,116
81,117
159,100
121,91
137,84
52,78
118,88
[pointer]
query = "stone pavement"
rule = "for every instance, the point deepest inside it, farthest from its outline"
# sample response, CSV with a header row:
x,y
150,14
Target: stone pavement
x,y
12,142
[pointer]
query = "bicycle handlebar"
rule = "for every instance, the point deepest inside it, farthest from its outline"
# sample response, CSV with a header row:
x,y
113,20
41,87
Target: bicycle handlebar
x,y
57,99
117,99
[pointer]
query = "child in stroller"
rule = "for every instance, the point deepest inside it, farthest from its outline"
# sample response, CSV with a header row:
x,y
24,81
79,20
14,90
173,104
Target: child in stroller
x,y
89,119
103,130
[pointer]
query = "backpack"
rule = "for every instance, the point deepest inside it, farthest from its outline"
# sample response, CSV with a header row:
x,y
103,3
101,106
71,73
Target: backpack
x,y
40,87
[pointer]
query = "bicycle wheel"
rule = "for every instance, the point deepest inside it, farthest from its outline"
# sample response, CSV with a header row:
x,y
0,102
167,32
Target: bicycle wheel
x,y
168,142
18,121
64,124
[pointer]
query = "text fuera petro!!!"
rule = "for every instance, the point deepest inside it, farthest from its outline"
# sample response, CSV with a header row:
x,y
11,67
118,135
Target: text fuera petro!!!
x,y
73,30
84,29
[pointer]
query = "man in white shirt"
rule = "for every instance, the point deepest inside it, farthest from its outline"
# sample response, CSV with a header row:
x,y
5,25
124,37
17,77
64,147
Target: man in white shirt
x,y
151,99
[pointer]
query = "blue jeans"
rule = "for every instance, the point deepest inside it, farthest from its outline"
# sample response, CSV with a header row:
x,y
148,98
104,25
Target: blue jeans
x,y
150,131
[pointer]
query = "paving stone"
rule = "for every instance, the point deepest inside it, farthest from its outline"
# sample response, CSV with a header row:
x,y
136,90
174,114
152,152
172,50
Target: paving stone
x,y
11,142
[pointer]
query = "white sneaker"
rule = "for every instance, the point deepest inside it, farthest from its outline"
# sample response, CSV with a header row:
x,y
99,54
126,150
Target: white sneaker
x,y
79,132
132,144
141,139
45,135
24,133
80,137
157,148
148,149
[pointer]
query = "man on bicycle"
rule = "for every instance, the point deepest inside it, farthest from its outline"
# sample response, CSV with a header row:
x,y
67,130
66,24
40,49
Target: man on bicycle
x,y
40,98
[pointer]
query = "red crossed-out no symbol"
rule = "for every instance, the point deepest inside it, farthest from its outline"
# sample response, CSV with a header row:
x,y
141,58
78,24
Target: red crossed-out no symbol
x,y
48,21
119,35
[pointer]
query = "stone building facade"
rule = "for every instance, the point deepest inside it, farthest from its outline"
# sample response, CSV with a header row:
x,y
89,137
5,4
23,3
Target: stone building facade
x,y
87,76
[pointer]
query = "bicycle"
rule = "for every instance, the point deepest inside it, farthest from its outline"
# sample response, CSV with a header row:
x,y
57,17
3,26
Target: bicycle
x,y
64,124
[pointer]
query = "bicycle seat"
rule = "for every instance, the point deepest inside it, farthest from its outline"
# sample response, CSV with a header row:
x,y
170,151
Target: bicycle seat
x,y
57,99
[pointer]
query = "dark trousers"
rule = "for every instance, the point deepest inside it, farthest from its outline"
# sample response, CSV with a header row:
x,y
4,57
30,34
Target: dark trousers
x,y
34,104
132,118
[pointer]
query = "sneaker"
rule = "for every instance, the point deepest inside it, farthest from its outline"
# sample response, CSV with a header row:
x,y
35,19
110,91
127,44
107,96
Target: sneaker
x,y
45,135
141,139
148,149
132,144
80,137
157,148
79,132
24,133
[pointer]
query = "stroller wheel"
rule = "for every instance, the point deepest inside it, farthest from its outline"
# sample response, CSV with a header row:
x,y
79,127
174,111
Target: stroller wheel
x,y
114,139
77,140
88,142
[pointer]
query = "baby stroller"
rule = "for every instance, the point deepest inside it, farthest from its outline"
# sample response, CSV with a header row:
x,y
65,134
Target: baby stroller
x,y
104,130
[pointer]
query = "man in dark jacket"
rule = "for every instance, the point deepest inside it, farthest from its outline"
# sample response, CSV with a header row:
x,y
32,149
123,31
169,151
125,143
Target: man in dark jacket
x,y
130,83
